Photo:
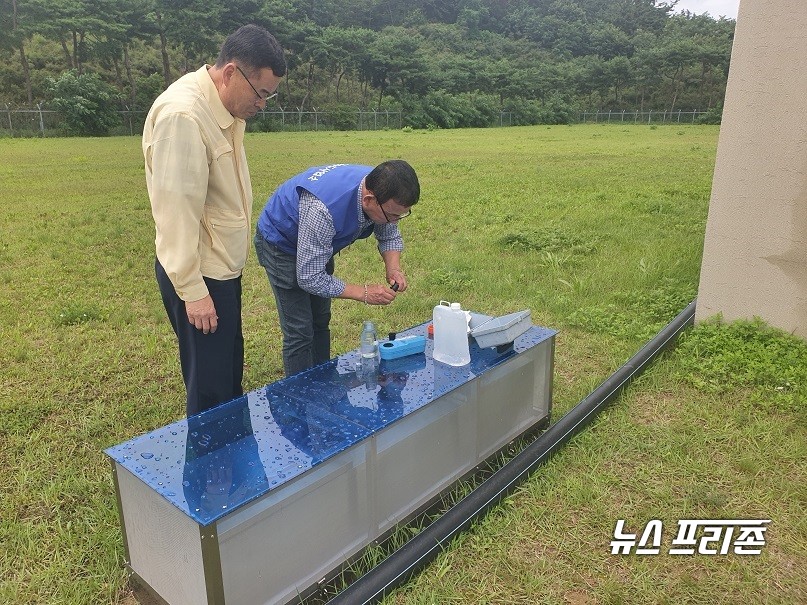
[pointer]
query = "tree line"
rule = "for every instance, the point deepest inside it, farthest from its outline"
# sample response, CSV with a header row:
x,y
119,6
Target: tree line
x,y
442,62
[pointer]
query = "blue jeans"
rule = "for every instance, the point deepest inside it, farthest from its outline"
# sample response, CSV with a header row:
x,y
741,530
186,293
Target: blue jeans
x,y
304,317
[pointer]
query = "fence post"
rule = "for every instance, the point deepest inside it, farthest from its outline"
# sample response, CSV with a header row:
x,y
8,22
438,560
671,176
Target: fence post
x,y
649,113
41,120
694,111
10,125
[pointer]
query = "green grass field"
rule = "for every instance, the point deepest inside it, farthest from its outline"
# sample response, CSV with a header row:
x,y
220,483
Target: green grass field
x,y
597,229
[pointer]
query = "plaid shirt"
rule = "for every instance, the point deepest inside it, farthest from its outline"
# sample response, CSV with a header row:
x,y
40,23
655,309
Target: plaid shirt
x,y
315,244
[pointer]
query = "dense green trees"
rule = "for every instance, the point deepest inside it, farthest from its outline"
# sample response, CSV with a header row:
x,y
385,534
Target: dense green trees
x,y
85,102
446,62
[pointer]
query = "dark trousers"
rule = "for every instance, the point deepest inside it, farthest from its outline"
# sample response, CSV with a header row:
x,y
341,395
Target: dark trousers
x,y
212,364
304,317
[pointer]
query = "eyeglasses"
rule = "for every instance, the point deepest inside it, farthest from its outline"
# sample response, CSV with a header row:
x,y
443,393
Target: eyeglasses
x,y
260,97
392,217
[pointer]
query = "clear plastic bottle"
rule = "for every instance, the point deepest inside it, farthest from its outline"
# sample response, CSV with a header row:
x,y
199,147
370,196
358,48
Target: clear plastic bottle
x,y
368,347
450,334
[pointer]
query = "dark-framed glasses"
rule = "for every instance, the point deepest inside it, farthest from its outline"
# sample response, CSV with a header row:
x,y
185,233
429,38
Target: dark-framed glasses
x,y
392,217
257,94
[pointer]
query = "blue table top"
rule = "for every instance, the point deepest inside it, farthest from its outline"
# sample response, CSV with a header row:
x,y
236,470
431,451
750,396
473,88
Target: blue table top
x,y
210,464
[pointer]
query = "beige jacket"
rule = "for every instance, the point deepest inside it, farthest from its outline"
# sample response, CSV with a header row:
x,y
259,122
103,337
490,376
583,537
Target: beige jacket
x,y
198,183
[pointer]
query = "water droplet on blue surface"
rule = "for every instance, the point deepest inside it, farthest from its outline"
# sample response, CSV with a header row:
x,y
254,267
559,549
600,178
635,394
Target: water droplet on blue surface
x,y
146,455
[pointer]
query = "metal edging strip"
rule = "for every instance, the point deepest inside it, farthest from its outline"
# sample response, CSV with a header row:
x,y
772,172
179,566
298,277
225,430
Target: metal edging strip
x,y
211,563
126,557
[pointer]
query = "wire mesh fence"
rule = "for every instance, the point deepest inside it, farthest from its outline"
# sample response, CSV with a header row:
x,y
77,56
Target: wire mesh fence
x,y
295,120
42,122
39,121
677,116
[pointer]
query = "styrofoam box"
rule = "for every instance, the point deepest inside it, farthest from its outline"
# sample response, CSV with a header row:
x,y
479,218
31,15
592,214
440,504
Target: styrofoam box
x,y
502,330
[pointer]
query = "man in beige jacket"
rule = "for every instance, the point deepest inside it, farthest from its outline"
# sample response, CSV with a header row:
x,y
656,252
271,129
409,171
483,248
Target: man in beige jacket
x,y
201,199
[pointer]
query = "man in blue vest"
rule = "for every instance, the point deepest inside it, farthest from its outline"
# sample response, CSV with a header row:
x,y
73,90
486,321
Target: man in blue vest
x,y
311,217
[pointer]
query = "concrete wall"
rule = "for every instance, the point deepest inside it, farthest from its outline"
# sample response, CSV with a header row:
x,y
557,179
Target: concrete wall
x,y
755,254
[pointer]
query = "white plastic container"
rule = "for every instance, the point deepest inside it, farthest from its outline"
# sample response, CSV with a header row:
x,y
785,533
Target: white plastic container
x,y
498,331
450,334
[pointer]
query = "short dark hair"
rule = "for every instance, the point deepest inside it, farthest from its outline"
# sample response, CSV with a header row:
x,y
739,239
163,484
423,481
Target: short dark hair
x,y
256,48
394,179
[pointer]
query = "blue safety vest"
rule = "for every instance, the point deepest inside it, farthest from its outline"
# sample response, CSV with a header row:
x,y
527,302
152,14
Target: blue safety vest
x,y
337,185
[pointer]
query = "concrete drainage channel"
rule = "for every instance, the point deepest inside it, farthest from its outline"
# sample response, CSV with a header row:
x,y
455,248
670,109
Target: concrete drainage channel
x,y
402,564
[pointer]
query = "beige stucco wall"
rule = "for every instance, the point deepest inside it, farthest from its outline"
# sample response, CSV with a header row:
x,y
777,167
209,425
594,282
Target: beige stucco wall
x,y
755,252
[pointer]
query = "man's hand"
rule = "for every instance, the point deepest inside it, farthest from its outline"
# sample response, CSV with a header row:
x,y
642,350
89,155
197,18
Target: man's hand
x,y
397,276
202,314
379,294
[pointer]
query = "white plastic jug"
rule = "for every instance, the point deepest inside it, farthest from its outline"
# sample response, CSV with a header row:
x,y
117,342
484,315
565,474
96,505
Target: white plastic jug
x,y
450,334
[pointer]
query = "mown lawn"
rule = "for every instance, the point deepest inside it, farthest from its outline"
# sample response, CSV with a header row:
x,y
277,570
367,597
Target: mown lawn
x,y
597,229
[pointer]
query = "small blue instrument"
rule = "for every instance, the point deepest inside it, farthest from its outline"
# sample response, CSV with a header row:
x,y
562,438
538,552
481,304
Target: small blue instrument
x,y
401,347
